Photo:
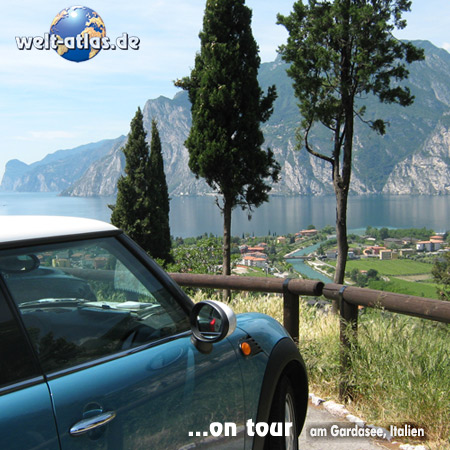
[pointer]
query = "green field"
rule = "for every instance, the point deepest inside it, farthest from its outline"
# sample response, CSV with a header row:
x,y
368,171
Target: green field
x,y
395,267
418,289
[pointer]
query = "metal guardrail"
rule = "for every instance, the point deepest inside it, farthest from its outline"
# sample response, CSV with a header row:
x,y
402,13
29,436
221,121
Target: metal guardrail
x,y
349,298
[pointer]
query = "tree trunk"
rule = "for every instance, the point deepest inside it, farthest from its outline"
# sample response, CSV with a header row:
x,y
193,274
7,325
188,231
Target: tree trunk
x,y
341,234
342,181
226,264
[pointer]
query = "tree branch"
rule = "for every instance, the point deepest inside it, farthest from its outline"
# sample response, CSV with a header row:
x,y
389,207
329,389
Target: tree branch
x,y
311,151
378,125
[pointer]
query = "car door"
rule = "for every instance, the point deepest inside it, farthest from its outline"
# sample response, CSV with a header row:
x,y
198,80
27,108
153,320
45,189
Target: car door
x,y
115,345
158,396
26,414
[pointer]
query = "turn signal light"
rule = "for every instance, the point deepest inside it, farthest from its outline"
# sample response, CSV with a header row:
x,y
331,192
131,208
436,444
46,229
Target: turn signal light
x,y
245,348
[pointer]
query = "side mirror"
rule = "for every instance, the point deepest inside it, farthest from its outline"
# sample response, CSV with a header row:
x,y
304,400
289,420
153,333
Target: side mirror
x,y
19,264
211,322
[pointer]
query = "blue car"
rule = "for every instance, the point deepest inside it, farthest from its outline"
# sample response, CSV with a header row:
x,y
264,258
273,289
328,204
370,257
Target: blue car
x,y
100,349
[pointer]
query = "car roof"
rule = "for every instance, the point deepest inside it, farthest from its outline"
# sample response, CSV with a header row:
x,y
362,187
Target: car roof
x,y
19,228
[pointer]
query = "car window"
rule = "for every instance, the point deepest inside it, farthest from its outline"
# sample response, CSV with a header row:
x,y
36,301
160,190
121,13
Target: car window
x,y
88,299
16,358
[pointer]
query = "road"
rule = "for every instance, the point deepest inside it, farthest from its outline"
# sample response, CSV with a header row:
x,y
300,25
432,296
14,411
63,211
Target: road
x,y
319,422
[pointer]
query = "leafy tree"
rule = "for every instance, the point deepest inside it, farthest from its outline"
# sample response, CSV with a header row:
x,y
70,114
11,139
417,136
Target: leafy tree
x,y
372,273
142,204
228,106
328,229
132,210
383,234
203,256
441,275
354,274
361,280
341,51
399,233
159,229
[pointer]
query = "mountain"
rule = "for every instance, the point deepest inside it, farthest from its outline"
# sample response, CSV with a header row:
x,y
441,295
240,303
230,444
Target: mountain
x,y
413,157
174,121
427,170
57,171
100,178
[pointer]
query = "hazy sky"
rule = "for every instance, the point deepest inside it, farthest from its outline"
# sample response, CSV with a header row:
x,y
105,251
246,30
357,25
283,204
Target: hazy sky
x,y
48,103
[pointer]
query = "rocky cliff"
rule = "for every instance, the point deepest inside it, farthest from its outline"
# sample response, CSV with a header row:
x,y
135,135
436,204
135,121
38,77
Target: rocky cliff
x,y
100,179
57,171
427,170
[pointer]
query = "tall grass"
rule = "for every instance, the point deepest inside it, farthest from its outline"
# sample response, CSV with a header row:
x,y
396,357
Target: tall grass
x,y
401,370
400,365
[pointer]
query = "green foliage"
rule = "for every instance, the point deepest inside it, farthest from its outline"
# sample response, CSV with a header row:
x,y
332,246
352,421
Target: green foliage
x,y
132,210
330,243
372,273
342,50
159,230
441,275
201,256
328,229
228,106
399,233
142,204
363,279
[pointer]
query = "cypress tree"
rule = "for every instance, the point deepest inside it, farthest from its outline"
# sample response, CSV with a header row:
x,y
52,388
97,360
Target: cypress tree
x,y
132,210
160,242
142,205
228,106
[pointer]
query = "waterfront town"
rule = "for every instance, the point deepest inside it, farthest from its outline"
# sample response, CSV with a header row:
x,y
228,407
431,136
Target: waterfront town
x,y
374,255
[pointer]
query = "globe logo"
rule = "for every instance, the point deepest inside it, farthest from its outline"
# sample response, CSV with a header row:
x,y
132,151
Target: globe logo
x,y
79,32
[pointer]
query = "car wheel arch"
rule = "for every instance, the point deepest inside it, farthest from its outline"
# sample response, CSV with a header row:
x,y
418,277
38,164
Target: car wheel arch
x,y
284,360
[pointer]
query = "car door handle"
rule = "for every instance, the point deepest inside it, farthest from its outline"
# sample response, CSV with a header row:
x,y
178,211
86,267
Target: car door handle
x,y
85,425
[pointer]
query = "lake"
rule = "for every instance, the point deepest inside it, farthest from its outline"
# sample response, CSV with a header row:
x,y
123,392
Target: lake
x,y
193,216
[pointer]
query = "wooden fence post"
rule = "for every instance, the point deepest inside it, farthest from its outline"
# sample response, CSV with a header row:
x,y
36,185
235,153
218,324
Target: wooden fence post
x,y
290,311
348,337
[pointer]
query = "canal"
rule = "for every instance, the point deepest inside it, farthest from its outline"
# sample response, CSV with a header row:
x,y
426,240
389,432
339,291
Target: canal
x,y
300,266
